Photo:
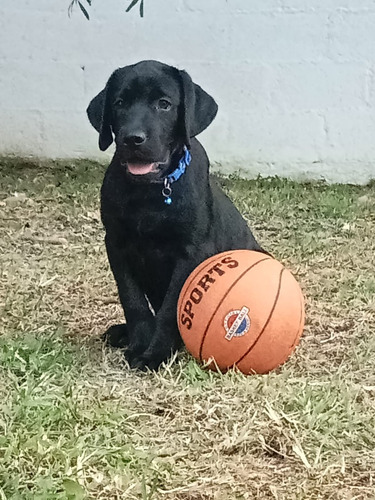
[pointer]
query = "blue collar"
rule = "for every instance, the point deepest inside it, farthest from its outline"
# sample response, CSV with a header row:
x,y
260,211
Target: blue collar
x,y
175,175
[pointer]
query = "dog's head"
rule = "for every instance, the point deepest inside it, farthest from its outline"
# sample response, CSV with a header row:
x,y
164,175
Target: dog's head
x,y
152,110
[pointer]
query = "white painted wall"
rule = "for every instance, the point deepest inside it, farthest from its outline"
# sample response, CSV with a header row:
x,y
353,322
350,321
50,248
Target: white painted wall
x,y
294,79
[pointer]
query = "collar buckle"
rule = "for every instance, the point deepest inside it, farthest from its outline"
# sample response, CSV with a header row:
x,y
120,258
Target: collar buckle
x,y
167,191
175,175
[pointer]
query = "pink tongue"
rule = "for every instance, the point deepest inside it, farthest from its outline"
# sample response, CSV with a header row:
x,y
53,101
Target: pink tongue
x,y
140,168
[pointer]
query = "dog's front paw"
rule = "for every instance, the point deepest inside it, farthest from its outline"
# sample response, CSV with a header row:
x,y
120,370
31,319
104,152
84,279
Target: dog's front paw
x,y
139,363
150,359
116,336
145,362
141,359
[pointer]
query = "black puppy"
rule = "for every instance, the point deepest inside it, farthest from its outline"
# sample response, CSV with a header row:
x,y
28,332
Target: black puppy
x,y
162,214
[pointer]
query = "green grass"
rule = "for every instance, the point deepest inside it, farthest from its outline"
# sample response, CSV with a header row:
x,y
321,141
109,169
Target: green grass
x,y
76,423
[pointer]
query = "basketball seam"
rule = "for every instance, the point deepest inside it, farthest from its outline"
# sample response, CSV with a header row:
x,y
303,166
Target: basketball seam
x,y
267,321
301,320
222,300
299,333
211,259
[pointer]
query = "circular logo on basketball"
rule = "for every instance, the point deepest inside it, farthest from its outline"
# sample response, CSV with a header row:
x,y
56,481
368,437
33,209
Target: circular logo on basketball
x,y
237,323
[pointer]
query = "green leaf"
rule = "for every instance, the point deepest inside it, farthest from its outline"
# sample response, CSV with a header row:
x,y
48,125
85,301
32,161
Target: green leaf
x,y
70,8
73,490
86,14
132,4
143,488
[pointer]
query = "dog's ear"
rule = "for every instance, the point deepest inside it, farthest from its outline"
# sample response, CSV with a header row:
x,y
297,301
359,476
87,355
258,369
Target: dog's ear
x,y
100,115
198,108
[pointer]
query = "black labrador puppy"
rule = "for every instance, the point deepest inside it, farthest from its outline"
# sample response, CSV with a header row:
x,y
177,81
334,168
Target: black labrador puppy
x,y
162,214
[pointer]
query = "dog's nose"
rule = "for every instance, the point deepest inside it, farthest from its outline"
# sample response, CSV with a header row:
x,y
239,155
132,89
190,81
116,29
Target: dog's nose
x,y
135,139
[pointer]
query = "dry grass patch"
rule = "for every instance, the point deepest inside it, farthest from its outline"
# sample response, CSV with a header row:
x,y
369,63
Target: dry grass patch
x,y
76,423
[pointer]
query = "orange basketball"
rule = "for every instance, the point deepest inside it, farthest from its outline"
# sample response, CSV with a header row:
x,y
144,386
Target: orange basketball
x,y
241,308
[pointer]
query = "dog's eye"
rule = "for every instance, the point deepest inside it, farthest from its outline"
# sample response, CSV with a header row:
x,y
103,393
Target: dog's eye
x,y
119,103
164,104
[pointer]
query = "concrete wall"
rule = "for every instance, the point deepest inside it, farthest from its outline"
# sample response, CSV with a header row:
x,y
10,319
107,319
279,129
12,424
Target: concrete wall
x,y
294,79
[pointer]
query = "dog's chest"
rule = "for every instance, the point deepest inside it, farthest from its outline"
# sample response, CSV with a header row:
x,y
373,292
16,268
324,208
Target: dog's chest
x,y
153,226
152,262
151,243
